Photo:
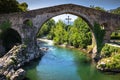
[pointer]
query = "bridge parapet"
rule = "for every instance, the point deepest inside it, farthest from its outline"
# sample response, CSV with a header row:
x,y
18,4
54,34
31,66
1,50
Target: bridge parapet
x,y
39,16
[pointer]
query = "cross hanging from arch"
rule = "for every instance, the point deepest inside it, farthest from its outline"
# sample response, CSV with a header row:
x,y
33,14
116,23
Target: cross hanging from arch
x,y
68,19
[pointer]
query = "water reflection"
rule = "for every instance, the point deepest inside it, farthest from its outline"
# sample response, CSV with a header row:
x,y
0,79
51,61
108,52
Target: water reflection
x,y
65,64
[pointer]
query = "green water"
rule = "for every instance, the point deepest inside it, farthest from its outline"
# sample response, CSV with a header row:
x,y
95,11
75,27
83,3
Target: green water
x,y
65,64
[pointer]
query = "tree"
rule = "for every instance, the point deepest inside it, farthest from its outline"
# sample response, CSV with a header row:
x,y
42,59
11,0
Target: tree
x,y
79,35
99,35
73,36
46,28
9,6
115,11
23,6
97,8
60,33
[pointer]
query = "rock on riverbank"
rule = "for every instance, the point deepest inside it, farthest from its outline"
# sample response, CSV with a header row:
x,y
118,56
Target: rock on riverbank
x,y
11,62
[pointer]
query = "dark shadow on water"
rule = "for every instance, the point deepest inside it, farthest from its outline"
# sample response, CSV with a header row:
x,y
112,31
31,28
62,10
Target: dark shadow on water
x,y
88,71
26,78
31,66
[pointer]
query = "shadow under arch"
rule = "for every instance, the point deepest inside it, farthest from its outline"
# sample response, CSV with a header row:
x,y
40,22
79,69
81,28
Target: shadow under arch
x,y
91,25
10,37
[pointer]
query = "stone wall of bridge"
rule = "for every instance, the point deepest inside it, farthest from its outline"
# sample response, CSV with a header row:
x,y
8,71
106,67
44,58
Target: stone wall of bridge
x,y
40,16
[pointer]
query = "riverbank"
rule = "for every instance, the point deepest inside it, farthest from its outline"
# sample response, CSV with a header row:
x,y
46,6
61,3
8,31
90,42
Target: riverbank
x,y
65,64
50,42
101,64
11,63
110,58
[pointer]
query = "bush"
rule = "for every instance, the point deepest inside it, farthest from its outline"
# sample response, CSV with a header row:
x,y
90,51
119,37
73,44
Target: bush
x,y
28,23
110,63
5,25
99,35
110,58
115,35
108,50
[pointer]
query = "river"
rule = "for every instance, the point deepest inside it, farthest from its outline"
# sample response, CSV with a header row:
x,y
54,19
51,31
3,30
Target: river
x,y
65,64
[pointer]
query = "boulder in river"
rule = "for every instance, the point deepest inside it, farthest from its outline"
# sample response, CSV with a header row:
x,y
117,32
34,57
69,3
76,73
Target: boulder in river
x,y
18,75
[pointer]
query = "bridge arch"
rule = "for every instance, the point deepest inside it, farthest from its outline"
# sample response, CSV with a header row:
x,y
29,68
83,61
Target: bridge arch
x,y
10,37
40,16
49,16
79,15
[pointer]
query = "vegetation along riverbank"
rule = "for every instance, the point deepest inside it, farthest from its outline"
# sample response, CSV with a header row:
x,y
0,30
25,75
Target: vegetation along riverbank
x,y
79,36
18,33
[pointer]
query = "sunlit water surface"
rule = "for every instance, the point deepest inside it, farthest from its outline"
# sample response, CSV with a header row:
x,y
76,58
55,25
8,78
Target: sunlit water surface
x,y
64,64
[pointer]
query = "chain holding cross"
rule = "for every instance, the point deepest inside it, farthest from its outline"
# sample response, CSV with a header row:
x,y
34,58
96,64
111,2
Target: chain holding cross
x,y
68,20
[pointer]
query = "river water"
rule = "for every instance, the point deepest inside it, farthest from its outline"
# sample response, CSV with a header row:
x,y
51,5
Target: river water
x,y
65,64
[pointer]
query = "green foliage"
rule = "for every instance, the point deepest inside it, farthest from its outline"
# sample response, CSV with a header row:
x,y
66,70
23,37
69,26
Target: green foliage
x,y
8,6
110,63
60,33
108,50
97,8
51,34
115,35
23,6
5,25
28,23
77,35
99,35
110,57
47,28
115,11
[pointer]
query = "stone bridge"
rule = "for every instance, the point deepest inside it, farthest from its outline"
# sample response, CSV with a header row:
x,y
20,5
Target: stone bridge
x,y
27,24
